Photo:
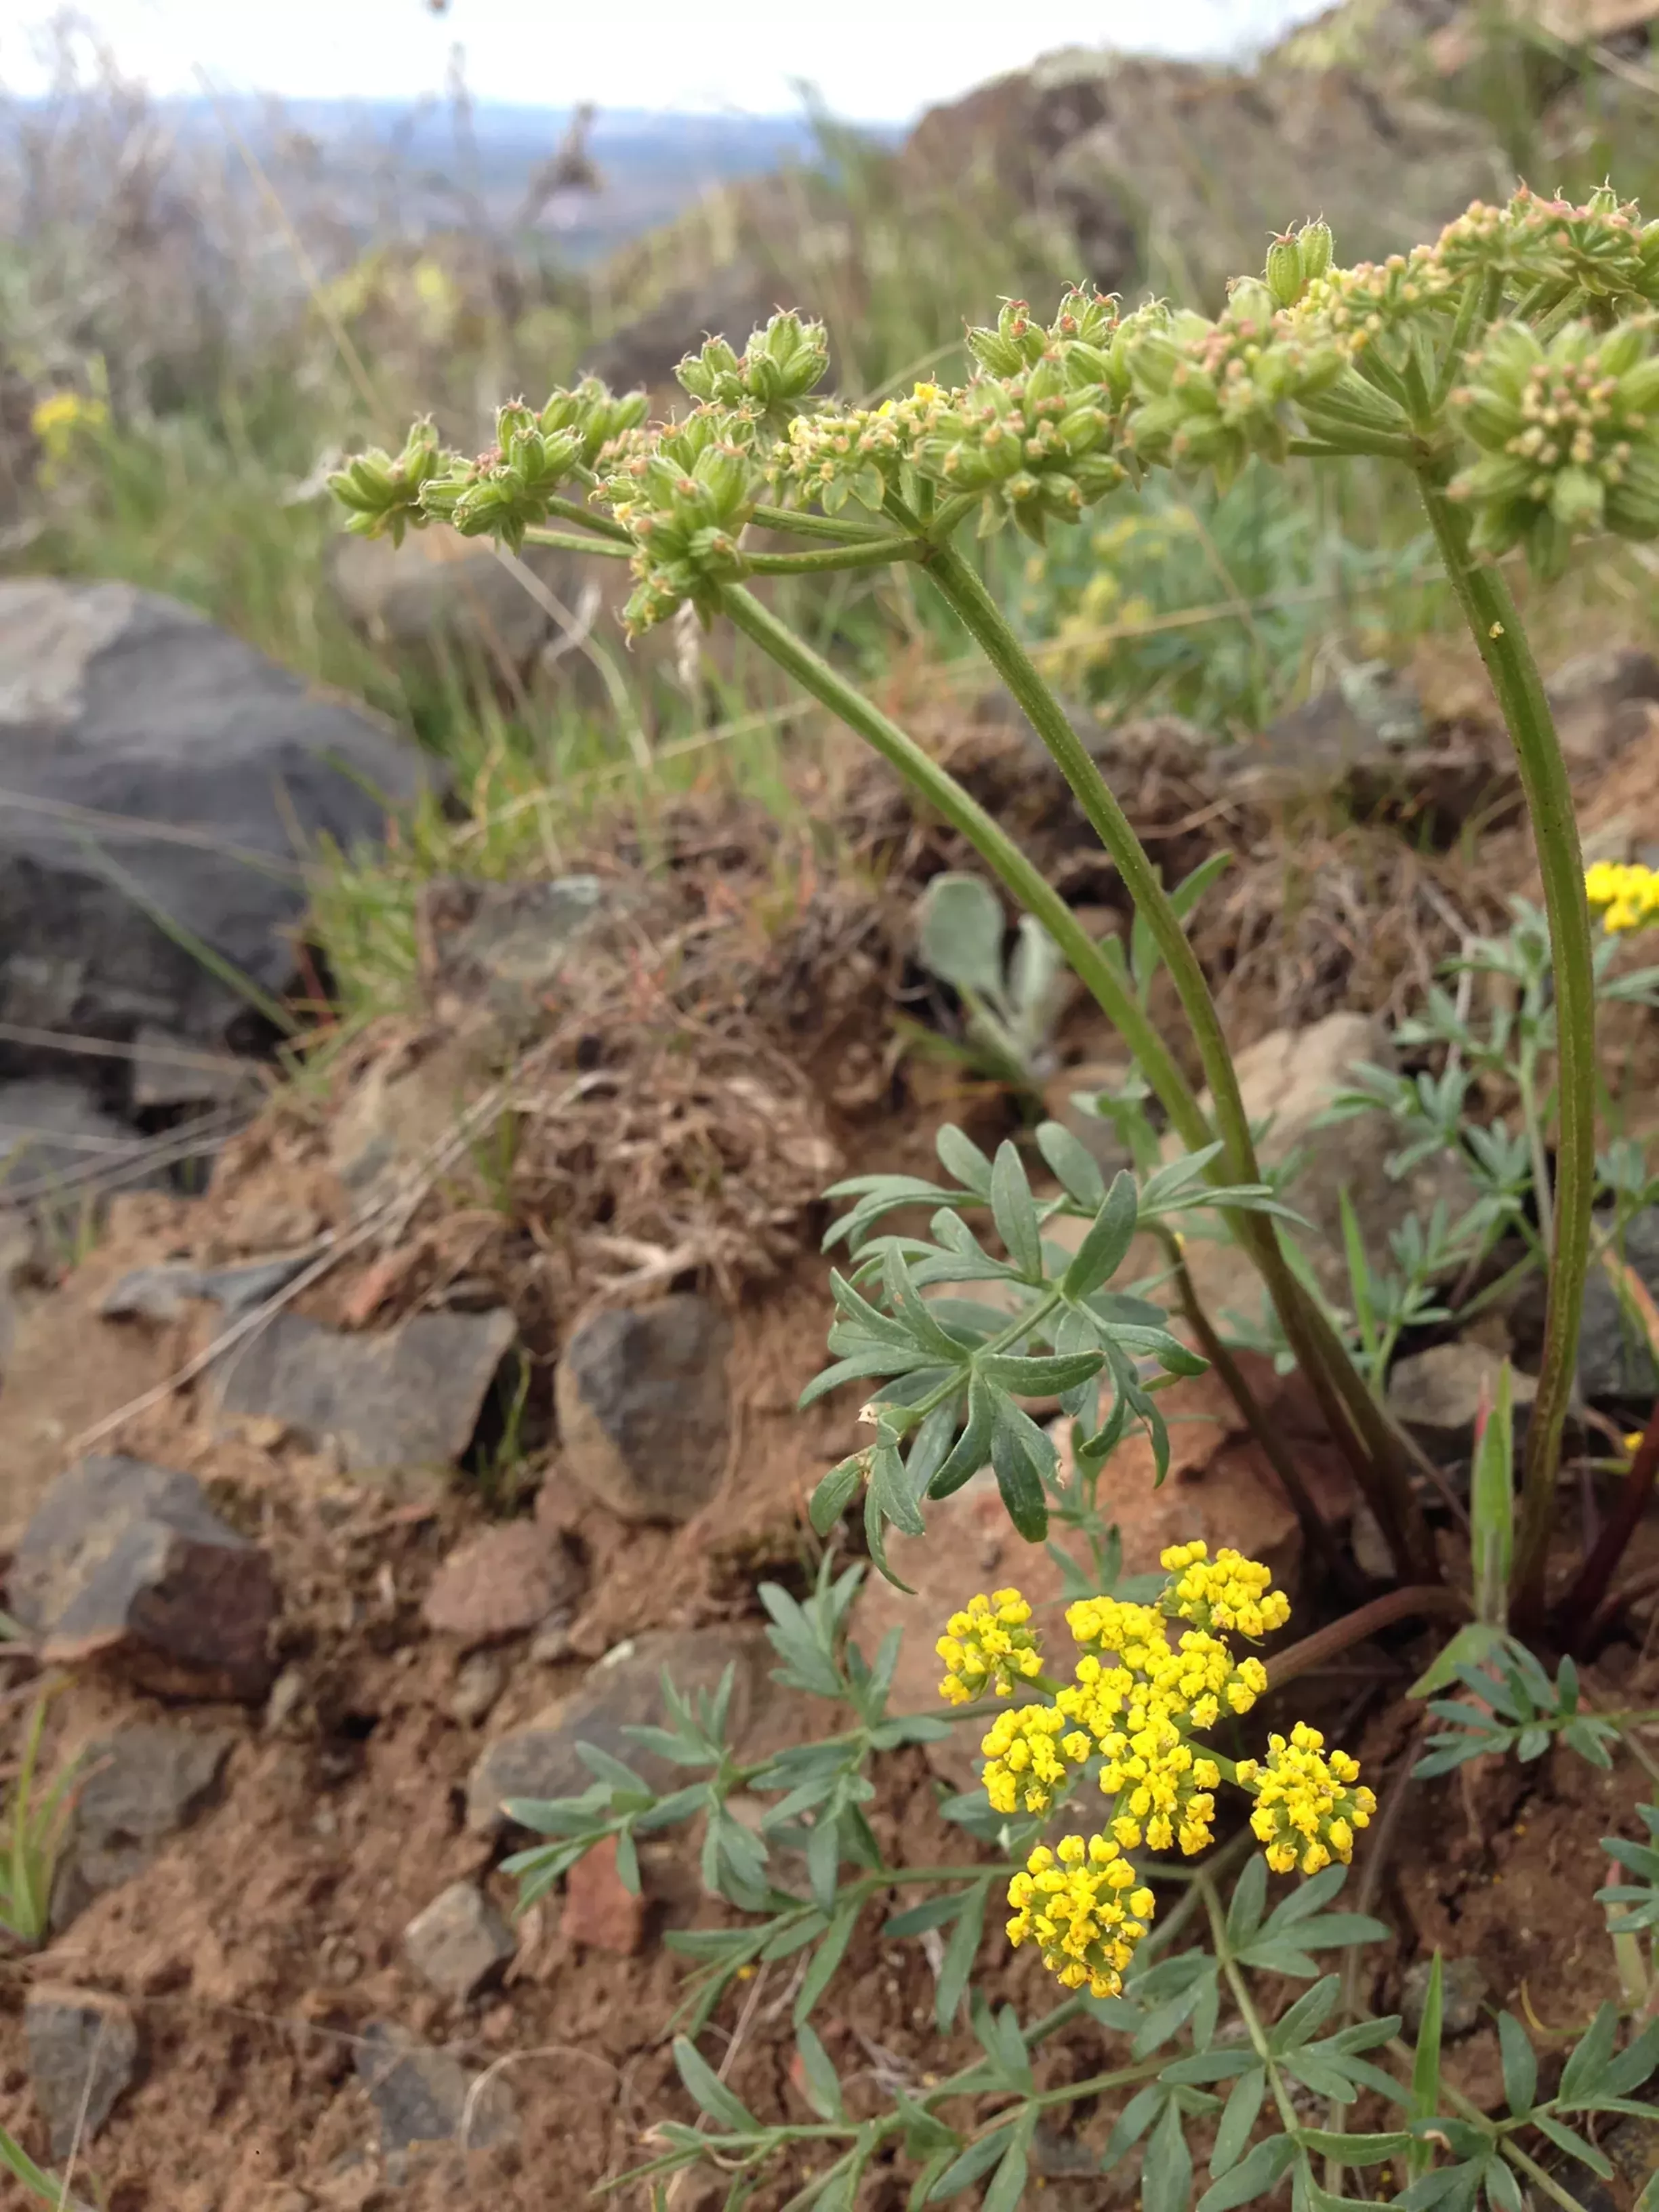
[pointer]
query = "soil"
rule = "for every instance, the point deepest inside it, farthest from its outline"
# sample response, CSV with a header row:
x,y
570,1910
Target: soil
x,y
260,1945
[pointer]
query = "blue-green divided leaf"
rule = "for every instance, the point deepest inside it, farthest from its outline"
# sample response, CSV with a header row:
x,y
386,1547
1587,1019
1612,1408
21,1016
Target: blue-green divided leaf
x,y
979,2158
1520,2065
831,1497
889,1490
1166,2172
1191,888
1258,2175
956,1967
972,1448
1239,2117
828,1956
1248,1898
1101,1252
1354,2149
1021,1465
1574,2145
937,1912
1007,2186
959,1156
959,932
710,2093
1014,1211
818,2069
1043,1375
1589,2059
1073,1165
1473,1644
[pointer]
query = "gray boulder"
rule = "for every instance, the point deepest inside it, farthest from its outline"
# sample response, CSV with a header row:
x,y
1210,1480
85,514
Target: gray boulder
x,y
154,773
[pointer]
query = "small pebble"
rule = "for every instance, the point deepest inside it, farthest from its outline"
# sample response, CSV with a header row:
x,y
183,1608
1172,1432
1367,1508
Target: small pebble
x,y
479,1681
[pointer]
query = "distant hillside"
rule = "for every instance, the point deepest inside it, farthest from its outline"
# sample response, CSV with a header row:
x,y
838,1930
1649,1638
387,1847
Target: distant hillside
x,y
390,167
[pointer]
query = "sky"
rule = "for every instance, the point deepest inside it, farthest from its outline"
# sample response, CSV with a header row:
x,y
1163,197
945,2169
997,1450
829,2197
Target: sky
x,y
872,60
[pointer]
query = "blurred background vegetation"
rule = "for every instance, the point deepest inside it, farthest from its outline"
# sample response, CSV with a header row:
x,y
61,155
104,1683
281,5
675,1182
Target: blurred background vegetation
x,y
204,303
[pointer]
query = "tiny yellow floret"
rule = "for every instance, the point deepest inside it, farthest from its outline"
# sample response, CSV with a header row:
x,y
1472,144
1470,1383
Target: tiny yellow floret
x,y
1625,897
988,1645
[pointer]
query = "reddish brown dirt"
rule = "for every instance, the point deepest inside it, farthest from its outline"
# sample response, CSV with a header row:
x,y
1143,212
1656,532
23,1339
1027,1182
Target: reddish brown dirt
x,y
259,1946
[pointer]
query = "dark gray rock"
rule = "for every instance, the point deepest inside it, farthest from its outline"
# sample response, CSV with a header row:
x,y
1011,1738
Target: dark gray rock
x,y
57,1145
1614,1362
152,764
83,2053
644,1410
403,1397
164,1292
625,1690
126,1561
1463,1991
459,1942
142,1785
1437,1394
420,2095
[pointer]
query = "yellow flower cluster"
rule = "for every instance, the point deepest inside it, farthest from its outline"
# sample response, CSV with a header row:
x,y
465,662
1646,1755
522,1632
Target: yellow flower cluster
x,y
61,417
988,1644
1141,1691
1625,897
1229,1592
1081,1905
1027,1751
1307,1806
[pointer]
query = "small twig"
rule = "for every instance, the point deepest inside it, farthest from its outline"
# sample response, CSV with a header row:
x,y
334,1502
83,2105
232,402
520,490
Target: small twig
x,y
1582,1609
1425,1601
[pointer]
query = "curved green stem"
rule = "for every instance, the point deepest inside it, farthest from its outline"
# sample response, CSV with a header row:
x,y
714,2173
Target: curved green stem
x,y
993,844
1357,1423
800,522
861,553
567,541
602,526
1496,628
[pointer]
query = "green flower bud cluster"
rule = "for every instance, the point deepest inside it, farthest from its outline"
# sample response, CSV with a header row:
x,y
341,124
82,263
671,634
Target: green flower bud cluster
x,y
381,495
1569,437
1588,257
686,497
779,366
507,489
1035,436
504,491
1209,394
1357,308
1296,259
840,453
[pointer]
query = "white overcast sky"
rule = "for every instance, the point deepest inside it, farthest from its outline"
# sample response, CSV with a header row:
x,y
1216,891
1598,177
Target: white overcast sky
x,y
872,59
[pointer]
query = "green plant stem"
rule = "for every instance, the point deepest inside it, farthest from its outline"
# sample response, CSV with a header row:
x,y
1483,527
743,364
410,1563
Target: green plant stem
x,y
1314,1528
1242,1999
1316,1343
1365,1434
1471,2110
567,541
874,553
994,847
801,523
603,525
1496,627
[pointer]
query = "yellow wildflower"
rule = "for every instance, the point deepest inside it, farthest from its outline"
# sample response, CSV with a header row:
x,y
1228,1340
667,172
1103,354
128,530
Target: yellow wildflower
x,y
1228,1592
1625,897
988,1644
1026,1752
1307,1806
61,417
1081,1904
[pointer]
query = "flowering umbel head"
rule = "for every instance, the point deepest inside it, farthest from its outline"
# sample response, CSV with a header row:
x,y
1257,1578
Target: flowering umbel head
x,y
1625,897
1568,433
1307,1808
1086,1908
1151,1680
988,1645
